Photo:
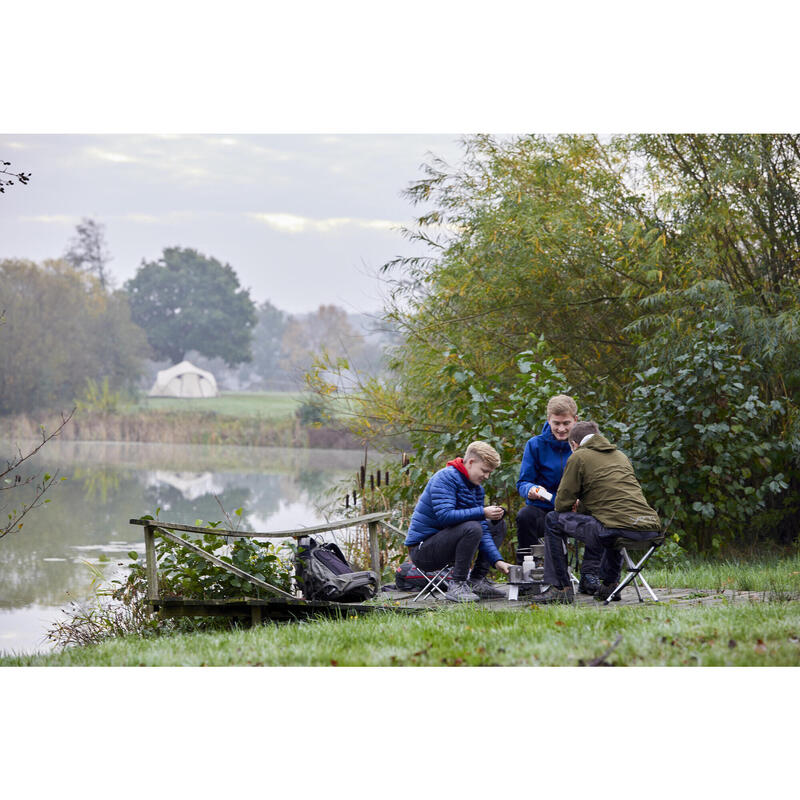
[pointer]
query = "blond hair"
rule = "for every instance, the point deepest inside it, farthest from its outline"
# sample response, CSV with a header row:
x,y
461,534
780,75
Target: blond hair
x,y
562,404
485,452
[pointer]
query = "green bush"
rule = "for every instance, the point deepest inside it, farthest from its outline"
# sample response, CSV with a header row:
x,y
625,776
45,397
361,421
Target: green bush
x,y
702,440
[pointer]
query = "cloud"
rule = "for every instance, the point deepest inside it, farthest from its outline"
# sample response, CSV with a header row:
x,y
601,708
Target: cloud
x,y
58,219
292,223
107,155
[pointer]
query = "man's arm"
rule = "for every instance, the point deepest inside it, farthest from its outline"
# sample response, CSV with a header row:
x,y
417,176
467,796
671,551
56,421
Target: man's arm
x,y
570,488
528,471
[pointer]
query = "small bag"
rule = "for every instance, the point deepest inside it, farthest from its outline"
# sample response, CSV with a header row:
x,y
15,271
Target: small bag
x,y
408,577
322,573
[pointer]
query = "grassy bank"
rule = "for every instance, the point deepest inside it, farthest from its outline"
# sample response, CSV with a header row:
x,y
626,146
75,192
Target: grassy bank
x,y
728,634
262,419
776,574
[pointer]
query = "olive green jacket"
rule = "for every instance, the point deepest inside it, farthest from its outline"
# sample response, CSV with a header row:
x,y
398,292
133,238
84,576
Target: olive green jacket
x,y
602,478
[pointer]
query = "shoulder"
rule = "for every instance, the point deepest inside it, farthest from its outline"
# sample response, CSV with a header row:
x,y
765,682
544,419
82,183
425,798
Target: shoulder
x,y
445,476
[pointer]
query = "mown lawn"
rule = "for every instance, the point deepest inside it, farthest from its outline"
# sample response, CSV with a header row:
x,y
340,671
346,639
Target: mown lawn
x,y
272,405
728,634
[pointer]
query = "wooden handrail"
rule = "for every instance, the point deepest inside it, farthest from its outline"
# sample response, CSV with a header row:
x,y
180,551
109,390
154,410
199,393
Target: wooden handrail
x,y
153,526
295,533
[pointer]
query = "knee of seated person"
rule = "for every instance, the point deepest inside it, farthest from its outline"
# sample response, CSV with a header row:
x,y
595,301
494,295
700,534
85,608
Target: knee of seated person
x,y
473,528
527,512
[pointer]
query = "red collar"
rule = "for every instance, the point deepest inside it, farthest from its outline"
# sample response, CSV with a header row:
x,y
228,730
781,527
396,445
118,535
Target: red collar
x,y
458,463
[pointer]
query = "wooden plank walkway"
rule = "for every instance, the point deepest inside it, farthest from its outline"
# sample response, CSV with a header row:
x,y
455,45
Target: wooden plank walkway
x,y
672,596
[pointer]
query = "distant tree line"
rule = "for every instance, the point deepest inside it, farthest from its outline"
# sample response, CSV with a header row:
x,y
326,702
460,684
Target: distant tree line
x,y
65,326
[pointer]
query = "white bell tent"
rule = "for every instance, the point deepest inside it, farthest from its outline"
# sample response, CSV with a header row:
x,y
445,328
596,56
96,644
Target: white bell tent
x,y
184,380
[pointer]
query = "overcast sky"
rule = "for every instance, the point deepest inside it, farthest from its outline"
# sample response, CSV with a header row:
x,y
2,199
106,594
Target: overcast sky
x,y
302,219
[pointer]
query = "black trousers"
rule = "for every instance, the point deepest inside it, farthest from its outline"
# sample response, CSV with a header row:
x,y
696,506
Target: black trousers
x,y
457,545
531,530
558,526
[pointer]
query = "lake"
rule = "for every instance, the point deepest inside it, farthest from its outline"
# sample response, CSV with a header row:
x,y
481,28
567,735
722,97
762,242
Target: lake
x,y
43,567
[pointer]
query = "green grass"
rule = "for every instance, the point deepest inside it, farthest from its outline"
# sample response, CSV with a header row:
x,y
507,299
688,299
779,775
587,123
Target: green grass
x,y
272,405
777,574
727,634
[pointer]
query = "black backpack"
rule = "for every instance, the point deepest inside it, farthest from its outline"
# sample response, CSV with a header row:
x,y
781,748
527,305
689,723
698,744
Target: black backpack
x,y
322,573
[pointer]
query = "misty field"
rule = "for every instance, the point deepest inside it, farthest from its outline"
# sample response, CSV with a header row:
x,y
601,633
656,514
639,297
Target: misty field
x,y
273,405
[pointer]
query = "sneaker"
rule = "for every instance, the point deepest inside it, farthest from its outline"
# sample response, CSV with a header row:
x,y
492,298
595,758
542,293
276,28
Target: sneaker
x,y
605,590
486,588
590,584
553,595
460,592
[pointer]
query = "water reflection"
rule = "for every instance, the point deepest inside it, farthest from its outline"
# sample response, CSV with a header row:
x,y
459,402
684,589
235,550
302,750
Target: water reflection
x,y
42,567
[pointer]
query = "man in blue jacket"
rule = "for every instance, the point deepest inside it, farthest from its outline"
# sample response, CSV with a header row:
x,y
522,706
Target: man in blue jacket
x,y
543,464
450,525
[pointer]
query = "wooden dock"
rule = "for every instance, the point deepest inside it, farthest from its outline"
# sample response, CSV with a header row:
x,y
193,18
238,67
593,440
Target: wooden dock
x,y
281,605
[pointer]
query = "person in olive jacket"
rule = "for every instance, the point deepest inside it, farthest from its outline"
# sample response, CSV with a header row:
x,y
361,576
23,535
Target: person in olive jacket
x,y
611,503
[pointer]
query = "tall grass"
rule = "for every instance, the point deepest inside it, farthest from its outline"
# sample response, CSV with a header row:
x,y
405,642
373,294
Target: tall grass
x,y
777,575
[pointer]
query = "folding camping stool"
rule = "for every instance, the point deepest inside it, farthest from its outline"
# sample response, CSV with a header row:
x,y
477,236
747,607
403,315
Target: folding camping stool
x,y
434,582
634,571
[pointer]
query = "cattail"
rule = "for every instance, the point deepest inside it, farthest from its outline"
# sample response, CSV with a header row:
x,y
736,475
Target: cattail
x,y
363,476
379,479
387,477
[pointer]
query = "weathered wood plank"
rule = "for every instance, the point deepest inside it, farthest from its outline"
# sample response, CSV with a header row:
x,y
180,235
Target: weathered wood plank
x,y
294,533
374,552
240,573
151,563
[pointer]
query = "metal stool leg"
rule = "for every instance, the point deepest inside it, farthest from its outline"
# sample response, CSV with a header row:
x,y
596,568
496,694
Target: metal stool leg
x,y
434,583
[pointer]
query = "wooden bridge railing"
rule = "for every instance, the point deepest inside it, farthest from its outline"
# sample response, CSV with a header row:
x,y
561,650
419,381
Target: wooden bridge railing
x,y
165,529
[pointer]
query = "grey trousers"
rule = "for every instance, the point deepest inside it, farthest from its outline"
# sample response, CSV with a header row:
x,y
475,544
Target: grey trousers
x,y
559,526
457,545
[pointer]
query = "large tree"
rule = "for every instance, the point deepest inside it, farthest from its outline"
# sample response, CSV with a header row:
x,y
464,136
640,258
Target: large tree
x,y
636,259
188,301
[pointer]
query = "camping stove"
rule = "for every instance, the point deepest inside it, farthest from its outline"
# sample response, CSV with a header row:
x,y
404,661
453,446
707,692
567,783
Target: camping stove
x,y
529,574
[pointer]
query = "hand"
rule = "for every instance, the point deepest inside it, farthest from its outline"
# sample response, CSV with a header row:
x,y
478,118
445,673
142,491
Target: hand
x,y
502,566
493,512
532,493
575,505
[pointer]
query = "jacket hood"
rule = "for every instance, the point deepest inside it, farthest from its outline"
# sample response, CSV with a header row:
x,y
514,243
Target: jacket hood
x,y
599,442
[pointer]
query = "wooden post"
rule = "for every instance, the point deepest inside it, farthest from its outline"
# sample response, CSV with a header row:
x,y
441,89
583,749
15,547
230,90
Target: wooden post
x,y
374,553
152,564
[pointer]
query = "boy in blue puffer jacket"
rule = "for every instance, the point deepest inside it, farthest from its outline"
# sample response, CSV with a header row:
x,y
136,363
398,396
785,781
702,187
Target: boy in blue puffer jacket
x,y
450,525
543,464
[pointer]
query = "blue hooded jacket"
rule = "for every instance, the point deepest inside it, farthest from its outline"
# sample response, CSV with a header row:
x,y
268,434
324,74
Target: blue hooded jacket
x,y
450,498
543,464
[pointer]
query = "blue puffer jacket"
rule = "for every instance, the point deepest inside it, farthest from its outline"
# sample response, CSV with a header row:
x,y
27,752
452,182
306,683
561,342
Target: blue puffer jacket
x,y
449,499
543,464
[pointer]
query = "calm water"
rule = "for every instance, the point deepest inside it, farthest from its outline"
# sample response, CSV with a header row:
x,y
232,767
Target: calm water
x,y
43,566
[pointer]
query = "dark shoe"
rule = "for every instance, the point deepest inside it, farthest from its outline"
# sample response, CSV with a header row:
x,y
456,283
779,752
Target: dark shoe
x,y
553,595
460,592
487,589
590,584
604,592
